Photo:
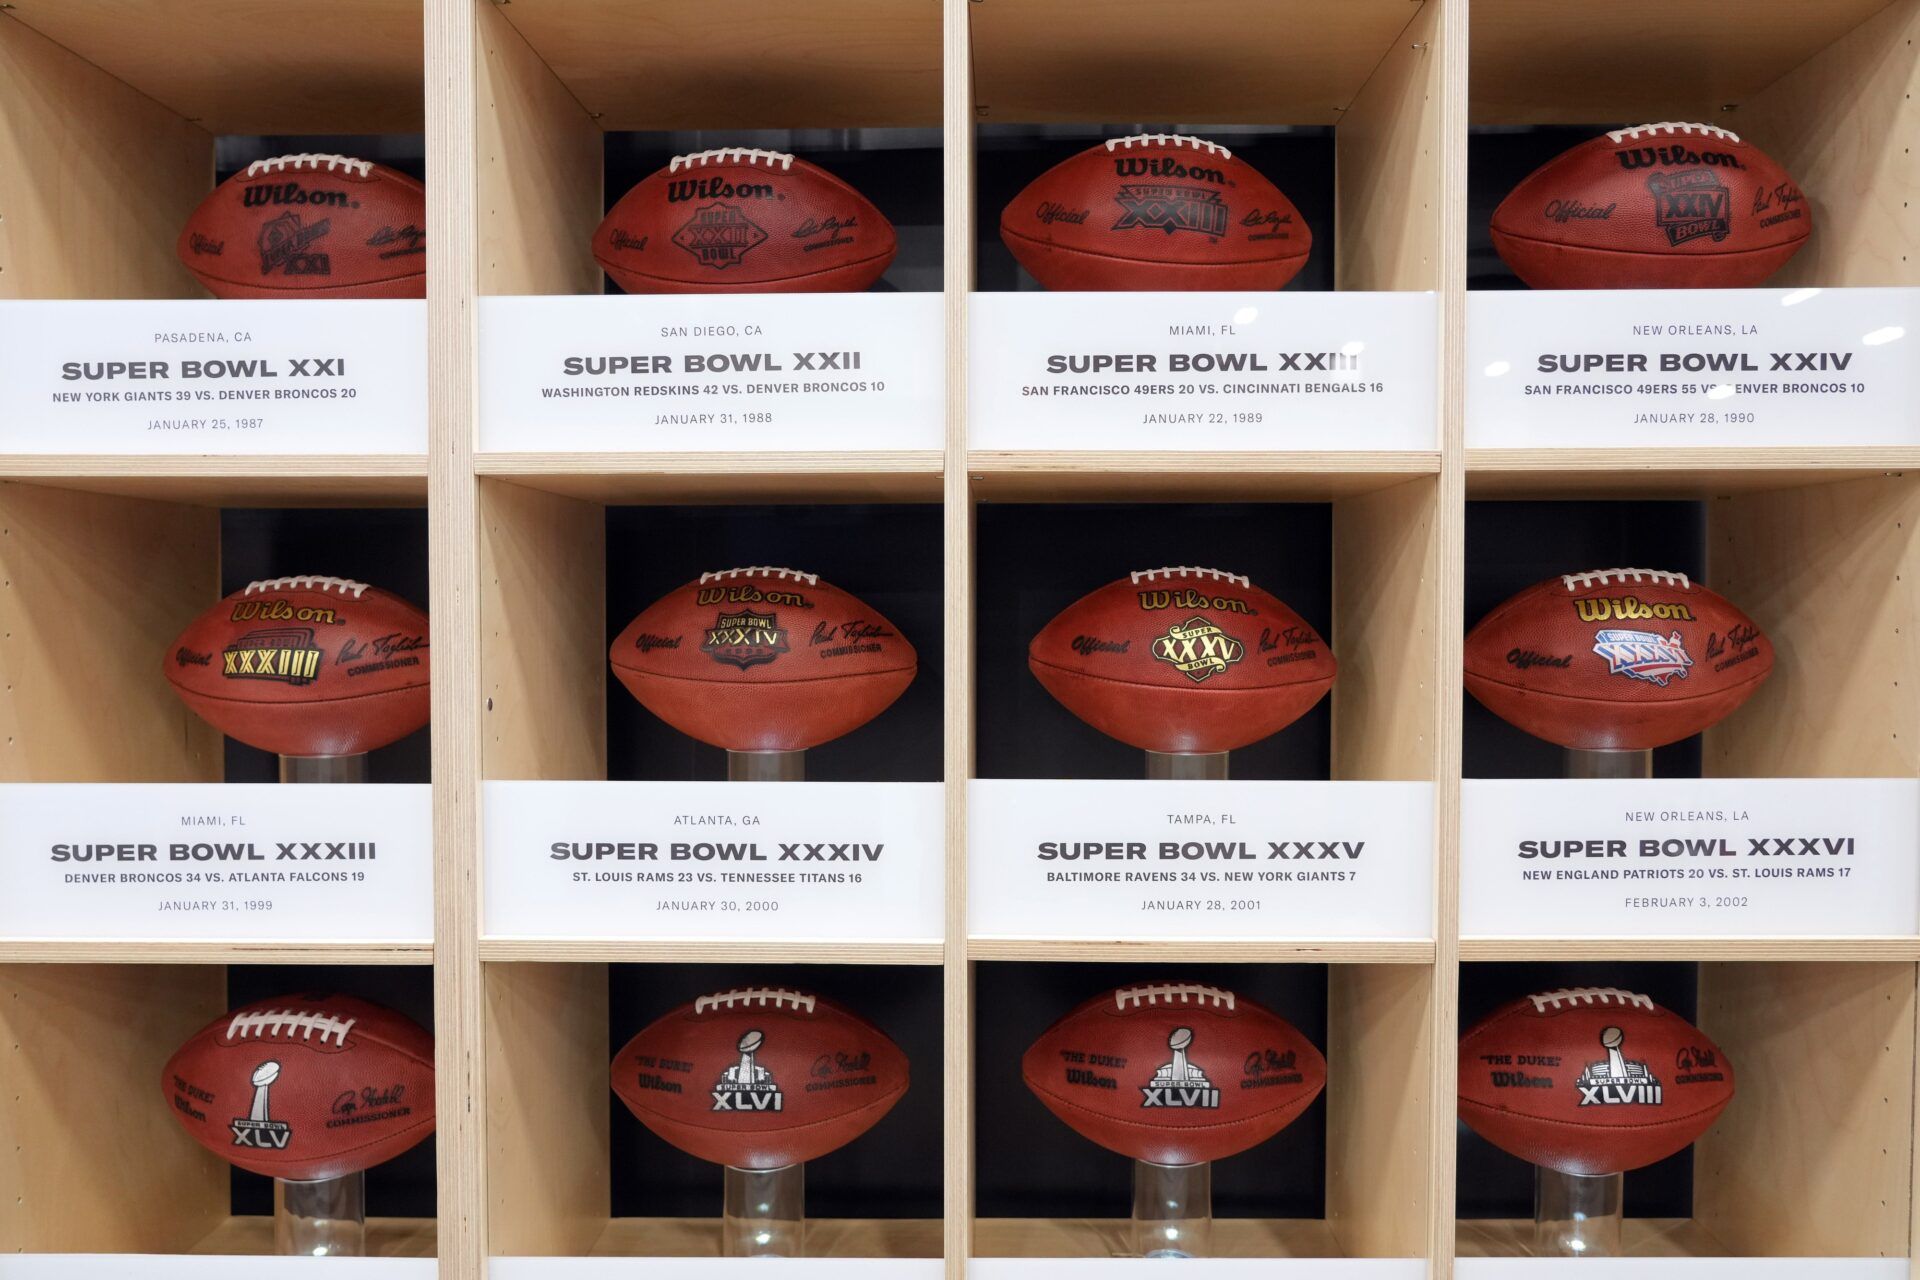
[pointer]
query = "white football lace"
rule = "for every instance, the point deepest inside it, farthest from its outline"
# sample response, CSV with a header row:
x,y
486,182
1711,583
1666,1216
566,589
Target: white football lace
x,y
1673,126
1188,571
290,1024
774,997
731,155
1172,993
763,571
1601,577
312,160
308,582
1170,140
1588,995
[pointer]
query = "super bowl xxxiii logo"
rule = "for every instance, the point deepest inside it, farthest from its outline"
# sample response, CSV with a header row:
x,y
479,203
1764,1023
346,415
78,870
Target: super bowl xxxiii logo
x,y
718,235
1692,204
1170,208
1198,649
745,639
287,655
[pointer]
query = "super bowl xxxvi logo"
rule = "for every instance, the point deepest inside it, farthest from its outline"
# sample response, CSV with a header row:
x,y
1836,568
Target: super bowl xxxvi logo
x,y
285,654
746,1085
284,247
1692,204
745,639
1198,649
1614,1081
1630,609
719,236
1170,208
1179,1083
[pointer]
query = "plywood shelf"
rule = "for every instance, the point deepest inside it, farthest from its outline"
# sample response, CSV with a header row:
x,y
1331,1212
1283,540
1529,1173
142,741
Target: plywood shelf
x,y
1108,1238
233,481
1239,950
1639,1238
705,951
1550,950
623,478
1180,477
64,951
1671,473
826,1237
386,1237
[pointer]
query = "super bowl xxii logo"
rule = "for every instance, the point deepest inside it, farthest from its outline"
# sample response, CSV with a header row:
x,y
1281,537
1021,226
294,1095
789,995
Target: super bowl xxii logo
x,y
1692,204
1614,1081
1179,1083
745,639
284,654
1198,649
1643,655
718,235
1169,208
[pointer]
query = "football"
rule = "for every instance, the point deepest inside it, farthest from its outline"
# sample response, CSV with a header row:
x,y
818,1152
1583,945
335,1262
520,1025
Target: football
x,y
305,1086
1590,1080
1663,206
1174,1073
743,221
762,659
310,226
1182,660
306,666
1615,659
1155,211
760,1078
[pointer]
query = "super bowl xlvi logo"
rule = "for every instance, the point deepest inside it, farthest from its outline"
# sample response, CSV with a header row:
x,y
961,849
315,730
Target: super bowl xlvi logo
x,y
284,247
1614,1081
1168,208
1692,204
1198,649
745,639
258,1128
746,1085
284,654
1179,1083
1643,655
719,236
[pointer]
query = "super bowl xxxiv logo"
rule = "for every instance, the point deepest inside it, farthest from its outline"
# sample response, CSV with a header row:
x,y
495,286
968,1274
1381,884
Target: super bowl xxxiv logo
x,y
1170,208
1692,204
1614,1081
746,1085
745,639
1179,1083
287,655
1198,649
1643,655
719,236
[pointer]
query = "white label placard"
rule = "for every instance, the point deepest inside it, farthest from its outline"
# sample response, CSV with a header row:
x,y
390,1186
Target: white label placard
x,y
768,861
166,1266
213,862
1666,369
1200,371
300,375
1107,859
716,1268
699,373
1566,858
1200,1268
1680,1268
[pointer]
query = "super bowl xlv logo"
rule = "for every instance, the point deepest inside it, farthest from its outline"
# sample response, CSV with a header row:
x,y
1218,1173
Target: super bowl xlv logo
x,y
258,1128
745,639
1179,1083
1169,208
746,1085
1691,204
286,654
1198,649
718,235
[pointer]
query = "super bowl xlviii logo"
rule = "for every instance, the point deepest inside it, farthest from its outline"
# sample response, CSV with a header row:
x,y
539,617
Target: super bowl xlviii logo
x,y
1163,207
1643,655
1179,1083
1692,204
1614,1081
719,236
746,1085
258,1128
1198,649
745,639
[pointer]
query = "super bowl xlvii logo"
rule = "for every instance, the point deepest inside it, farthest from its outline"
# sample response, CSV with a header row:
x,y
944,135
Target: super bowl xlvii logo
x,y
745,639
746,1085
1179,1083
1614,1081
1169,208
1643,655
1692,204
718,235
1198,649
258,1128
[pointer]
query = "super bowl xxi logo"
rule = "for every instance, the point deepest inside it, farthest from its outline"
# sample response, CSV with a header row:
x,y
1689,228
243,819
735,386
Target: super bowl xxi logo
x,y
286,655
1198,649
745,639
285,246
1170,208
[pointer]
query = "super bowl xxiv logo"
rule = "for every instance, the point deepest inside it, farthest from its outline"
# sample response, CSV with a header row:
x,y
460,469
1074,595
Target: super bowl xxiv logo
x,y
1643,655
284,247
745,639
746,1085
258,1128
719,236
1179,1083
284,654
1614,1081
1198,649
1692,204
1169,208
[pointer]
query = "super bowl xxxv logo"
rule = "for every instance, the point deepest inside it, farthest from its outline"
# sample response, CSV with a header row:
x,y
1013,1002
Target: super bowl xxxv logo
x,y
1198,649
1169,208
745,639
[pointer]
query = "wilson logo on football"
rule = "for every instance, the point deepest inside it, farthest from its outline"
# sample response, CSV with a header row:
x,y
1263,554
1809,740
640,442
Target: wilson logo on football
x,y
1198,649
1179,1083
1165,167
1171,209
1630,609
1643,655
269,193
1691,205
719,236
746,1085
287,655
1614,1081
745,639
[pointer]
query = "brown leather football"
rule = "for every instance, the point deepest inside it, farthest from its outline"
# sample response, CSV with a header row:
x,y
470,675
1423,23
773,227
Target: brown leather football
x,y
1663,206
763,659
306,666
1616,659
318,226
739,220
